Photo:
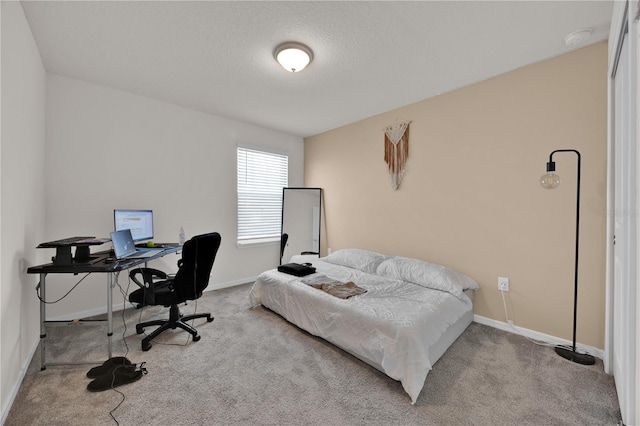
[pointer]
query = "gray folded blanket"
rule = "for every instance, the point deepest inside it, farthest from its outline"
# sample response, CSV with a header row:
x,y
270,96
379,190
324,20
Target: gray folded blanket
x,y
334,288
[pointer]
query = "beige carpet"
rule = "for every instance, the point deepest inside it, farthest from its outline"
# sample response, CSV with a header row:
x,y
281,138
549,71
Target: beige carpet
x,y
252,367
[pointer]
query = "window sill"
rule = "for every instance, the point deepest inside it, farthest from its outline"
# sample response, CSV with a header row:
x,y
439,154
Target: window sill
x,y
258,242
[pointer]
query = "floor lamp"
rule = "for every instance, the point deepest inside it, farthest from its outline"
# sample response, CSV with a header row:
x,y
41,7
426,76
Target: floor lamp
x,y
550,180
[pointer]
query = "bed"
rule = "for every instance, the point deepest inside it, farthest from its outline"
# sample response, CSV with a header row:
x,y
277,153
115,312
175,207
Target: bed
x,y
411,312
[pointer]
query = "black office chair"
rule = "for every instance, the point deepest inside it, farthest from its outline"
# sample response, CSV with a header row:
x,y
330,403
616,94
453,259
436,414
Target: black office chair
x,y
157,288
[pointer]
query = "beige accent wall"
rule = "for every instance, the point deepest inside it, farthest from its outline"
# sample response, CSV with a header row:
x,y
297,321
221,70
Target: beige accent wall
x,y
471,197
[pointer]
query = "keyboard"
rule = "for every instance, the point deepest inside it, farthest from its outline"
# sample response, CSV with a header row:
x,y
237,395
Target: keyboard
x,y
158,245
144,245
141,254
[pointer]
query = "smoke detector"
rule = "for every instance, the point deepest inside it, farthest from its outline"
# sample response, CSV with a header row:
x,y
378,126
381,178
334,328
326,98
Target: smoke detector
x,y
577,37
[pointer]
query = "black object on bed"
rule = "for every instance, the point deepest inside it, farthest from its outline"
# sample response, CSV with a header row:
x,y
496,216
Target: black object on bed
x,y
297,269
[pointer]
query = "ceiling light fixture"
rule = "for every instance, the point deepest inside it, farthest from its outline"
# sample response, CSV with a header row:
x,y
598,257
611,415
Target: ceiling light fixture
x,y
293,56
577,37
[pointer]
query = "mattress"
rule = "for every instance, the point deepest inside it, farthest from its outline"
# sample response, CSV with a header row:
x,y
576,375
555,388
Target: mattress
x,y
398,326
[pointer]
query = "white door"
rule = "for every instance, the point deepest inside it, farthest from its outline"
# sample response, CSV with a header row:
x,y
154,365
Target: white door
x,y
625,248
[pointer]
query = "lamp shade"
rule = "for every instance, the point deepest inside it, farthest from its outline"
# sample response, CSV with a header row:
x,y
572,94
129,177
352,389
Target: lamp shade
x,y
293,56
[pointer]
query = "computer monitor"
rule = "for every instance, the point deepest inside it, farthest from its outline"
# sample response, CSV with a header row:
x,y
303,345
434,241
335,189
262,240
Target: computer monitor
x,y
140,222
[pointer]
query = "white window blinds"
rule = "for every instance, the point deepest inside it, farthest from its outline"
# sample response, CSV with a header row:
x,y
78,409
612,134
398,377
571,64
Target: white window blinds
x,y
261,177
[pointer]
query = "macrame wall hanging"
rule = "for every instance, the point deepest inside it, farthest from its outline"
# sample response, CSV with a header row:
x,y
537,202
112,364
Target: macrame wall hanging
x,y
396,151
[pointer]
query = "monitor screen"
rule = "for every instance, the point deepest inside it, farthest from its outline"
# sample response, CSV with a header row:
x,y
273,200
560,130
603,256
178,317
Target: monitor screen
x,y
140,222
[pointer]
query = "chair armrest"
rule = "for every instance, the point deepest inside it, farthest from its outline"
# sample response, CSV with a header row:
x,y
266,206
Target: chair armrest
x,y
148,276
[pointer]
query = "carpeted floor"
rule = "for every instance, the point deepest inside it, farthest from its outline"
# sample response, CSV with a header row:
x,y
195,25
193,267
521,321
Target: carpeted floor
x,y
252,367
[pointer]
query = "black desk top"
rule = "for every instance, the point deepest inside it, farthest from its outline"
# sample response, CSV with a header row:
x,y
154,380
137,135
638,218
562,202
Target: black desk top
x,y
97,262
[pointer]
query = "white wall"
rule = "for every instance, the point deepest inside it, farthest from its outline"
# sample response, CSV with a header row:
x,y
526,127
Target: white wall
x,y
184,163
22,196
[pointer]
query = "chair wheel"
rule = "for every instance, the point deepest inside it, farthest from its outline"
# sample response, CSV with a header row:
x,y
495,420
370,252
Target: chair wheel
x,y
196,338
209,319
139,330
146,346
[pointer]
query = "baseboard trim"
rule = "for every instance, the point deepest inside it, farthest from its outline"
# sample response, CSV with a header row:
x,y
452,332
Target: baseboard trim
x,y
598,353
233,283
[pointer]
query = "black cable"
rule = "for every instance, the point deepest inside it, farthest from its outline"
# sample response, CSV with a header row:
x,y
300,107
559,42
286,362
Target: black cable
x,y
65,295
124,293
121,401
113,380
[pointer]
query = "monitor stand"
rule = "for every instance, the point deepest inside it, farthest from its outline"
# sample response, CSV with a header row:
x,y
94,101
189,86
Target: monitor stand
x,y
63,256
63,249
83,254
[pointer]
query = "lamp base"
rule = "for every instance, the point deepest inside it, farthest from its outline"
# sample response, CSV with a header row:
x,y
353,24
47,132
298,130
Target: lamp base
x,y
576,357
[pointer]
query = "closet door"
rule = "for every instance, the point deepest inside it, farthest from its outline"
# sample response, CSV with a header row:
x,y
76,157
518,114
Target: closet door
x,y
623,290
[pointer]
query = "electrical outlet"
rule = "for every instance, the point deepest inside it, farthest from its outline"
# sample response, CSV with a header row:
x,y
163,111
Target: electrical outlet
x,y
503,283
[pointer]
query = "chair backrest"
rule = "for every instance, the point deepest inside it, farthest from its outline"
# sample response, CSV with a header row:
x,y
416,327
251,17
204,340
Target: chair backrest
x,y
198,255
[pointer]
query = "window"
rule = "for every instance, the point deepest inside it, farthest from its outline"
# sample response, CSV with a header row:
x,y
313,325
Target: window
x,y
261,177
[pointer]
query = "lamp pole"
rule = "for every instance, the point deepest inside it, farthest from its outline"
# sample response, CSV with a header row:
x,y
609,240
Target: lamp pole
x,y
550,181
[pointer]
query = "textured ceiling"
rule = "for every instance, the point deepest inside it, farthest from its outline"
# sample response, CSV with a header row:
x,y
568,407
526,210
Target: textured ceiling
x,y
370,57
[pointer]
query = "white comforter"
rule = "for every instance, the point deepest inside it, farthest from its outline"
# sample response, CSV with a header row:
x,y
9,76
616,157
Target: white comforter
x,y
392,326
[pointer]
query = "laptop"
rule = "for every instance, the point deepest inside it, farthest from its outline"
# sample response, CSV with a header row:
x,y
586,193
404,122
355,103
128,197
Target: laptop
x,y
125,248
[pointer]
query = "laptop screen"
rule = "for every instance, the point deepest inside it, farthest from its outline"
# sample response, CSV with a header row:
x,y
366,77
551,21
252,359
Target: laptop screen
x,y
123,244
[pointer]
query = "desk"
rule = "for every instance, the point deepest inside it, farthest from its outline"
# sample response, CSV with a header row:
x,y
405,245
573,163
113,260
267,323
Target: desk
x,y
97,263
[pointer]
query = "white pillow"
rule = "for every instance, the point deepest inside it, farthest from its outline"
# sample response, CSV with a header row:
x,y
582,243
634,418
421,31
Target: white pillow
x,y
362,260
426,274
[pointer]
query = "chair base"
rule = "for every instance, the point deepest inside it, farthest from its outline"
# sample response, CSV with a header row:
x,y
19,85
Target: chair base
x,y
176,320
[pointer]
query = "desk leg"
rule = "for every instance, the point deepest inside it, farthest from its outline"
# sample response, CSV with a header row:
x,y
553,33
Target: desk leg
x,y
109,310
43,318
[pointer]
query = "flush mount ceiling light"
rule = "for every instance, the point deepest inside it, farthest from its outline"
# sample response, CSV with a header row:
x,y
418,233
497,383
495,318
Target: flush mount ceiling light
x,y
293,56
577,37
